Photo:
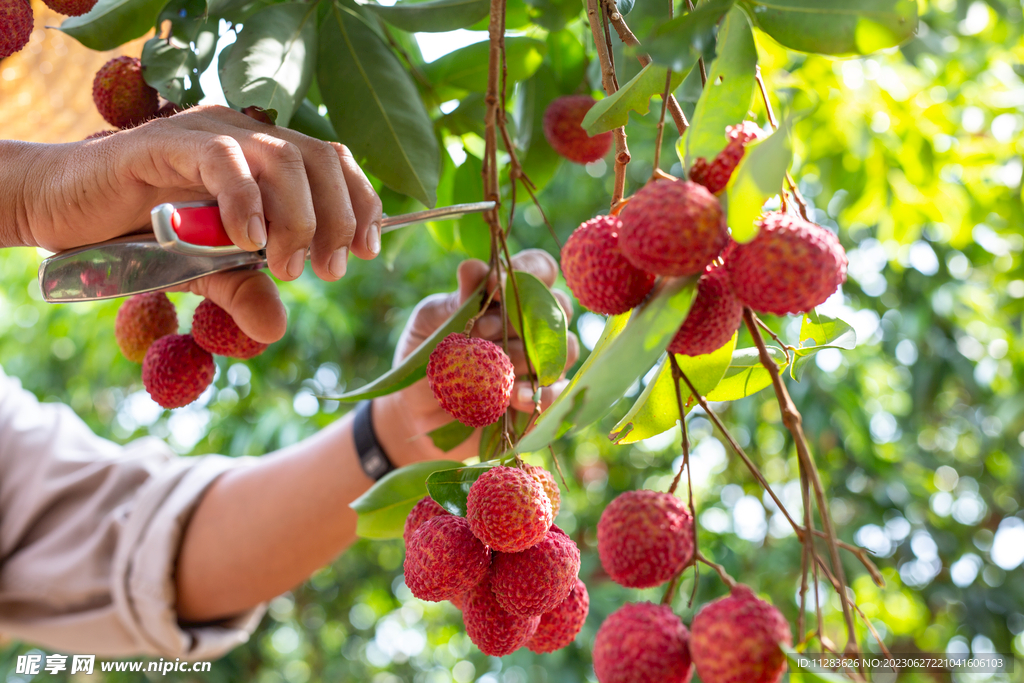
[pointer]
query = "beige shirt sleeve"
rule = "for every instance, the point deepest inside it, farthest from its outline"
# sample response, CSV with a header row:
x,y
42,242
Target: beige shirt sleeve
x,y
89,536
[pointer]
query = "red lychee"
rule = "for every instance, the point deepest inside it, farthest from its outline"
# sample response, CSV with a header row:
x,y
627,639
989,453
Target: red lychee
x,y
566,136
736,639
443,559
508,510
598,273
644,538
643,643
547,482
673,228
714,317
141,320
790,267
420,513
122,95
216,331
538,579
471,378
72,8
15,26
492,629
176,371
559,627
715,175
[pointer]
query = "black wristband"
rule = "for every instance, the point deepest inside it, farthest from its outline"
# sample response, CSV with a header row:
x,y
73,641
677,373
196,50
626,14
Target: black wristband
x,y
372,457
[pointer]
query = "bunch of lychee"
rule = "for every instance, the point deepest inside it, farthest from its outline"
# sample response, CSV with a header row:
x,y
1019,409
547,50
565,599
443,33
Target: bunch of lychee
x,y
645,538
511,571
677,228
177,368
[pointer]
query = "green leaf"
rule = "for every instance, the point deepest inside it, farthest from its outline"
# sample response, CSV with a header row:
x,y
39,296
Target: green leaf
x,y
726,98
678,43
389,128
434,16
307,120
167,65
465,69
446,437
553,15
112,23
382,510
757,177
450,487
271,63
414,366
823,332
746,376
613,111
540,162
545,335
187,17
808,676
567,59
613,367
835,27
656,410
624,6
474,233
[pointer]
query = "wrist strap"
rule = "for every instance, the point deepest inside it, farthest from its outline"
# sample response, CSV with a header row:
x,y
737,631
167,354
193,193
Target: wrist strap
x,y
372,457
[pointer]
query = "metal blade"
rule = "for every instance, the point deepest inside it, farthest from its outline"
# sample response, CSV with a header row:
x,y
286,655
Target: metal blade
x,y
448,213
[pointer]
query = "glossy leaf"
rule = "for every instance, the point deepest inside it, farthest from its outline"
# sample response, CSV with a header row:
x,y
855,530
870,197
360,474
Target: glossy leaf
x,y
543,328
678,43
474,233
657,410
835,27
382,510
111,23
613,367
432,17
390,129
819,332
567,59
187,17
450,487
414,366
307,120
808,676
757,177
540,162
271,64
446,437
168,65
465,69
746,376
624,6
613,111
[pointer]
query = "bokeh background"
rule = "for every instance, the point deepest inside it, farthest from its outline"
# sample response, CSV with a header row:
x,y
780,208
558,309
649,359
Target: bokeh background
x,y
914,156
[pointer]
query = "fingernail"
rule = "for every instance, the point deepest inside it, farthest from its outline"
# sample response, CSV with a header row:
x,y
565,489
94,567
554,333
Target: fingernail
x,y
296,263
373,238
257,233
525,395
339,262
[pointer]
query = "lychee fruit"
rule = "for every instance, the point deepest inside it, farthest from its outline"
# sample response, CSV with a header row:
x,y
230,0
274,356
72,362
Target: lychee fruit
x,y
443,559
471,378
598,273
141,320
216,331
714,316
547,482
643,643
736,639
539,578
15,26
508,510
420,513
566,136
644,538
492,629
790,267
715,175
559,627
72,8
176,371
673,228
122,95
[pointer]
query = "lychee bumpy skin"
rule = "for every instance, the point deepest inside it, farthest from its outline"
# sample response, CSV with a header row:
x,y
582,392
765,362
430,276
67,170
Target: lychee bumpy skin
x,y
444,559
122,95
642,643
141,320
538,579
559,627
566,136
216,331
716,174
496,632
672,228
176,371
644,538
508,510
471,378
714,316
15,26
597,271
426,509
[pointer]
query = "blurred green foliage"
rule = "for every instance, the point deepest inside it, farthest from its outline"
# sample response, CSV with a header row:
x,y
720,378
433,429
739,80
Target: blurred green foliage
x,y
914,155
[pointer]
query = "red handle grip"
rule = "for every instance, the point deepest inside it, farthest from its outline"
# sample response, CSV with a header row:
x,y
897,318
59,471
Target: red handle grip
x,y
200,225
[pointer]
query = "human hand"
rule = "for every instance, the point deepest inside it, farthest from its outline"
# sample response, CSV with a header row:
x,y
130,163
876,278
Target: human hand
x,y
403,419
275,187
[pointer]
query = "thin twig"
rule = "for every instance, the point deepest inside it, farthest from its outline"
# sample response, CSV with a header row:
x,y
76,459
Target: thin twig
x,y
700,61
719,569
608,81
661,122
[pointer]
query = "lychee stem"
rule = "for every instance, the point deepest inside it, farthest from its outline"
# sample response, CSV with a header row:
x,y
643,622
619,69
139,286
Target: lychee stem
x,y
622,158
